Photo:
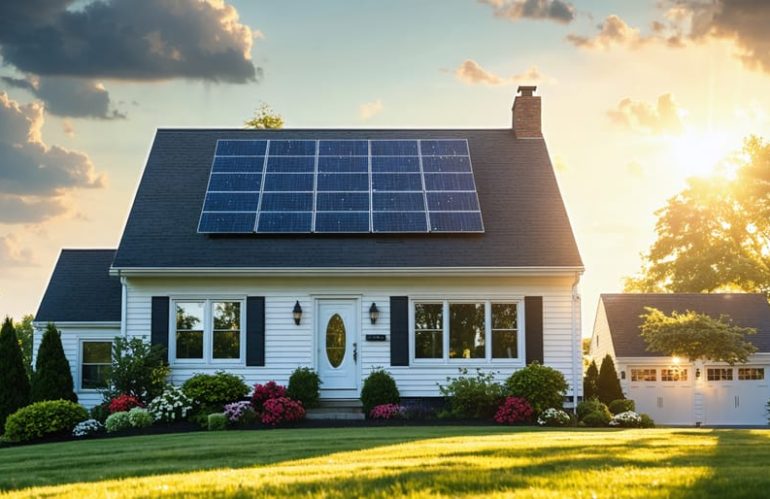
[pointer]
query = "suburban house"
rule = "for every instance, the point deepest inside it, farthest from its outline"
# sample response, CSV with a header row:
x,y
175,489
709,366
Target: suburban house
x,y
257,251
677,391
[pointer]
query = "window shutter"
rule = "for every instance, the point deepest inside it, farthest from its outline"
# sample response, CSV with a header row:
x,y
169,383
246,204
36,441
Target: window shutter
x,y
159,323
255,331
399,331
533,316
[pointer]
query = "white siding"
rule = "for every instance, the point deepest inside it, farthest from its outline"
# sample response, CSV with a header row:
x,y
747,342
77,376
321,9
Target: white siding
x,y
601,340
71,338
288,346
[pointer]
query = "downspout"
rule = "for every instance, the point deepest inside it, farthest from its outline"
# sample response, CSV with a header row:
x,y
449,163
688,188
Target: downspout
x,y
123,305
577,370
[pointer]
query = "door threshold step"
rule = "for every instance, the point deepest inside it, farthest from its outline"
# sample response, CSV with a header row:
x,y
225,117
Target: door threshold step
x,y
321,415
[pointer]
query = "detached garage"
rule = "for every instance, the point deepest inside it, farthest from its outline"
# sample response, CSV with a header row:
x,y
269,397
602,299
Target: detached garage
x,y
676,391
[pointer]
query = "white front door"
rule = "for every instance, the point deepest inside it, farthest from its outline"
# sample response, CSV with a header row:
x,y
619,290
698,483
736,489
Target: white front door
x,y
337,333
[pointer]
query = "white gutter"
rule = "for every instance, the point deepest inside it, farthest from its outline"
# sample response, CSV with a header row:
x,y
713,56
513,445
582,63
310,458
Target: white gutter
x,y
577,368
123,306
344,271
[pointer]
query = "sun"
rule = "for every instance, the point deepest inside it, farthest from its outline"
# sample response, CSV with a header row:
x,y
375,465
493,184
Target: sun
x,y
702,153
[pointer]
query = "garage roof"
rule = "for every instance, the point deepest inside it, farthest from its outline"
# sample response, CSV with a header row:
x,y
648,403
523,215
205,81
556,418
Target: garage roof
x,y
624,310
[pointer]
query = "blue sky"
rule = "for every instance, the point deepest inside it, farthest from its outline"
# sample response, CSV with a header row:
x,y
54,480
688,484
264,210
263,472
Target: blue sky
x,y
641,96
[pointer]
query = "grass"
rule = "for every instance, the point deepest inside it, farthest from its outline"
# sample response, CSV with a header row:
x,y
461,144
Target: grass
x,y
400,461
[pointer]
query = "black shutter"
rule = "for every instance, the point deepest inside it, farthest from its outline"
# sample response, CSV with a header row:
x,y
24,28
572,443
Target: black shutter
x,y
159,323
533,316
255,331
399,331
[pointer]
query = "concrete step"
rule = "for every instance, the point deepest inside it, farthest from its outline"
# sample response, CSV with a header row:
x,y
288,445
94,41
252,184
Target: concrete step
x,y
340,404
347,409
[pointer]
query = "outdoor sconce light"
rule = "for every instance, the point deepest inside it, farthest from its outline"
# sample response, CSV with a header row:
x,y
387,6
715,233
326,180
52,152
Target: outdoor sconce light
x,y
622,375
297,313
374,313
697,373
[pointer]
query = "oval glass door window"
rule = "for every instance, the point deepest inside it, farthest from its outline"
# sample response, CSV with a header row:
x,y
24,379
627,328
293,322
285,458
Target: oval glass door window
x,y
335,340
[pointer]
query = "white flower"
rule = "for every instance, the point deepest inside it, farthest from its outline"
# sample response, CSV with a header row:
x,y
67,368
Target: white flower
x,y
87,427
626,419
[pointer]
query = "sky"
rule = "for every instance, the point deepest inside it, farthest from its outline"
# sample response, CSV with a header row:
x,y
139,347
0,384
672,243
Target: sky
x,y
637,96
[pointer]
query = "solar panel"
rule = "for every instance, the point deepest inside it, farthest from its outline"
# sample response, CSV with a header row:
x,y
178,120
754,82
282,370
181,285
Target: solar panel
x,y
341,186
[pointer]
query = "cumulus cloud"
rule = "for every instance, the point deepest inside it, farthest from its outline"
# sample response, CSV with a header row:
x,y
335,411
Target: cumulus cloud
x,y
12,253
34,177
371,109
69,97
613,31
471,72
552,10
128,40
662,118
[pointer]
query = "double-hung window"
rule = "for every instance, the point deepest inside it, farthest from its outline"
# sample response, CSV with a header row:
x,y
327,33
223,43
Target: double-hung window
x,y
208,330
95,361
470,330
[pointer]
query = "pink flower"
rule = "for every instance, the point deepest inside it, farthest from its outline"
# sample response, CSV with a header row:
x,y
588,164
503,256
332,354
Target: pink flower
x,y
263,393
514,410
386,411
282,410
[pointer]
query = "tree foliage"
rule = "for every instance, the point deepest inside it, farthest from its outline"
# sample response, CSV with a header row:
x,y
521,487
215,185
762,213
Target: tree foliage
x,y
696,336
24,332
14,383
715,234
137,369
52,379
590,380
607,383
265,118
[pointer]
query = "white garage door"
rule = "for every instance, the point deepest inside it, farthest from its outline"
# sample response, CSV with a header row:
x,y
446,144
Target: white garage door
x,y
666,394
735,395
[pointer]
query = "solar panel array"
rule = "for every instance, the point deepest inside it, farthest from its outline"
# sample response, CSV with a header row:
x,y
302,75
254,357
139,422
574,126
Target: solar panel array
x,y
341,186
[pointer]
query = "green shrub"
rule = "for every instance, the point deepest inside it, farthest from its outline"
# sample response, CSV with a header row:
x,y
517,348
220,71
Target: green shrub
x,y
117,421
52,379
379,388
215,390
585,407
305,386
14,384
589,381
608,384
542,386
140,418
217,421
100,412
621,405
597,419
647,421
472,397
47,418
138,369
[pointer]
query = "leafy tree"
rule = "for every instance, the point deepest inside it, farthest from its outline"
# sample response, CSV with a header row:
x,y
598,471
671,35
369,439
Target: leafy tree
x,y
590,380
715,234
14,383
137,369
607,383
24,332
52,379
265,117
696,336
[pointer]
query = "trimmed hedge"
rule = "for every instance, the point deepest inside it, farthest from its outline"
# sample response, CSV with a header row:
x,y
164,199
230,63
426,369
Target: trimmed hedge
x,y
43,419
215,390
621,405
52,379
305,386
379,388
542,386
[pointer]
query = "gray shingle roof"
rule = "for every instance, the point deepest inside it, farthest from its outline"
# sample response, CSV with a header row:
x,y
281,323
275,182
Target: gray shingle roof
x,y
81,289
525,220
624,311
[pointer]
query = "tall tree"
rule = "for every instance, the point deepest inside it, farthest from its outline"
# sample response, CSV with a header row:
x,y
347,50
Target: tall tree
x,y
14,383
52,379
24,333
715,234
696,336
590,380
264,117
608,384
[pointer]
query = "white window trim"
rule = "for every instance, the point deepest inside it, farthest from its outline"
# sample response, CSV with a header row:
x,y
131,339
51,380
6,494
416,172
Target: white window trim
x,y
208,332
79,376
487,360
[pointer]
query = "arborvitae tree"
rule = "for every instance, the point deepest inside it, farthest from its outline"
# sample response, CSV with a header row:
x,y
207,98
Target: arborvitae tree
x,y
608,384
14,384
52,379
589,381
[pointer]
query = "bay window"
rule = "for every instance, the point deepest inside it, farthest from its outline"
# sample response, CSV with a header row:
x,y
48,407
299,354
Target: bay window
x,y
208,330
466,330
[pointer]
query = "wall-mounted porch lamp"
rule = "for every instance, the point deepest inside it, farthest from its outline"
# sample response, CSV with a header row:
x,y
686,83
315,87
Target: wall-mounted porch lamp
x,y
297,313
374,313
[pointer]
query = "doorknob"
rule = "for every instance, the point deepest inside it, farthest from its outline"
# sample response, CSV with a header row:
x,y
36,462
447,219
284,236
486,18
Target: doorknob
x,y
355,352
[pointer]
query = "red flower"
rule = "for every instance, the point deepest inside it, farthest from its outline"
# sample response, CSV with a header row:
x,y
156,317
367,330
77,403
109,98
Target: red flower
x,y
263,393
123,403
514,410
282,410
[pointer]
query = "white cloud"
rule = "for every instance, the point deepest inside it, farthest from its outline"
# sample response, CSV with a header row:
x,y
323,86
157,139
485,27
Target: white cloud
x,y
12,253
471,72
369,110
662,118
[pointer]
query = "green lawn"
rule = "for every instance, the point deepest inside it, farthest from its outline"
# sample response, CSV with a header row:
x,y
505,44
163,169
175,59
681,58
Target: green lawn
x,y
397,461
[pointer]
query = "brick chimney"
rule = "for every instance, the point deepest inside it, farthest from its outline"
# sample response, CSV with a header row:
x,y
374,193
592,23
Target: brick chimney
x,y
526,114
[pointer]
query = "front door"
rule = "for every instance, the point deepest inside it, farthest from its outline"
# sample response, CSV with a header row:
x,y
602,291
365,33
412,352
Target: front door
x,y
337,348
